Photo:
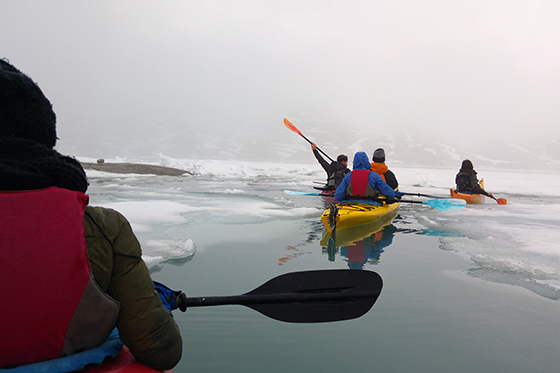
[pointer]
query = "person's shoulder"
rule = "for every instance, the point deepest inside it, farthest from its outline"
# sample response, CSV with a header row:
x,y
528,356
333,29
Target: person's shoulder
x,y
104,213
375,175
108,220
105,223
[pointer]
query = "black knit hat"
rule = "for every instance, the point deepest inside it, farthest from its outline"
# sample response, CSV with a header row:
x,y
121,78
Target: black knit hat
x,y
379,155
25,112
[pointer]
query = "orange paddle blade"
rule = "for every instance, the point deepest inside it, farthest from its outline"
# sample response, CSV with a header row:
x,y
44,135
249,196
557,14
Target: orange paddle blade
x,y
501,201
292,127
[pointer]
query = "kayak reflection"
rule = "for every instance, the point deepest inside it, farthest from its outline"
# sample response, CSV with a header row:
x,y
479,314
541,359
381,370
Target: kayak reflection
x,y
360,244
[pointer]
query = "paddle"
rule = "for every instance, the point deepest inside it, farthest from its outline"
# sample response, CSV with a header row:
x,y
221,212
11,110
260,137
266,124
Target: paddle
x,y
308,296
501,201
294,129
442,204
302,193
422,195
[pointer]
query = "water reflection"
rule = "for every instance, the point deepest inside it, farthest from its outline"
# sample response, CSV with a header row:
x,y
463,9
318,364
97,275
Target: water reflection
x,y
293,252
369,249
360,244
296,250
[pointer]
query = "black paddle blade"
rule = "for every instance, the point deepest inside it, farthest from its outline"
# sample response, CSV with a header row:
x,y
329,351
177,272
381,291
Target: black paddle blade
x,y
318,296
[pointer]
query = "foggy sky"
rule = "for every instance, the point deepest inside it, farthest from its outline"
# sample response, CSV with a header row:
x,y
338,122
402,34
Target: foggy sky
x,y
192,78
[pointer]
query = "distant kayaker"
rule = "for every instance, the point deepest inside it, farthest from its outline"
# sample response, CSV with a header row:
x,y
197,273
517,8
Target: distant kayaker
x,y
378,166
70,272
466,180
335,170
362,182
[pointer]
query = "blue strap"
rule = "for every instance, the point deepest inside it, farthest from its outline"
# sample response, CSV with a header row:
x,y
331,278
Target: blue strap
x,y
110,348
171,299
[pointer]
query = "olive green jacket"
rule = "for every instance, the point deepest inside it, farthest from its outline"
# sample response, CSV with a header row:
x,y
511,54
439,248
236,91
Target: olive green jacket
x,y
145,327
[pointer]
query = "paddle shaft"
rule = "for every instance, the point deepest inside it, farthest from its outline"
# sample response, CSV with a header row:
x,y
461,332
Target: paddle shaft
x,y
248,299
294,129
423,195
443,204
322,152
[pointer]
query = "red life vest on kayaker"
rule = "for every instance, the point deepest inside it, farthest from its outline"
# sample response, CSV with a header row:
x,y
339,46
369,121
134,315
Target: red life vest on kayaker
x,y
51,306
359,185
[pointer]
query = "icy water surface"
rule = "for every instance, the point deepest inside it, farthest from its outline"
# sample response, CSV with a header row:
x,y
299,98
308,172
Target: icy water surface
x,y
476,290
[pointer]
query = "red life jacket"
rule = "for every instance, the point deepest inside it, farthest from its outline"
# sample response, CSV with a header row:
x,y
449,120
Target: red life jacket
x,y
356,252
51,306
359,185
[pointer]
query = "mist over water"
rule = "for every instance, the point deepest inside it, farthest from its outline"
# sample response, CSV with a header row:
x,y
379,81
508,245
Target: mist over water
x,y
432,82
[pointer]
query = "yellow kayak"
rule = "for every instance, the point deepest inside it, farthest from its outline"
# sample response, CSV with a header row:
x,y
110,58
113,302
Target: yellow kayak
x,y
350,235
354,213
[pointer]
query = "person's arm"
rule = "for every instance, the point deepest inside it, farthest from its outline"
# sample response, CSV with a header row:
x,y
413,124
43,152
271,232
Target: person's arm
x,y
326,166
340,193
376,182
144,325
391,179
476,188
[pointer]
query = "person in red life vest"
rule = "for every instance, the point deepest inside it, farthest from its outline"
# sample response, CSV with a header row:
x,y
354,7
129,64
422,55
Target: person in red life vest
x,y
378,166
362,182
335,170
71,273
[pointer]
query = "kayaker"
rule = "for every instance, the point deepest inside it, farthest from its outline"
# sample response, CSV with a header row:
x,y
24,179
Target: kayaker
x,y
362,182
378,166
335,170
466,180
47,183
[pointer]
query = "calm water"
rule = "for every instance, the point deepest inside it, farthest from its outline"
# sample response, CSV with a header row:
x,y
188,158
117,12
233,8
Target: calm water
x,y
454,298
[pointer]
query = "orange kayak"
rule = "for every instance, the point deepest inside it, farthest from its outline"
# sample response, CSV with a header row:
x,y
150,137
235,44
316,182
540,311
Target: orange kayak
x,y
470,198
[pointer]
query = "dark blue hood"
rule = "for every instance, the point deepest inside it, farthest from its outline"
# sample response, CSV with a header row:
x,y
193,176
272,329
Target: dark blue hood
x,y
361,161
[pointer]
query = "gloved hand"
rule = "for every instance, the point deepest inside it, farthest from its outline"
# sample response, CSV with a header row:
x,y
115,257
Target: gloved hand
x,y
182,302
171,299
399,195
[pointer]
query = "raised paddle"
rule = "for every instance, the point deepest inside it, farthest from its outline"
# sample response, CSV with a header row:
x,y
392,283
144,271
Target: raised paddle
x,y
294,129
309,296
501,201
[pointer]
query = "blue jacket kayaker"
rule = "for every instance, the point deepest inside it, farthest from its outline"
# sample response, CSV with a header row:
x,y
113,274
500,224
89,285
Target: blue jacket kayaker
x,y
362,182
